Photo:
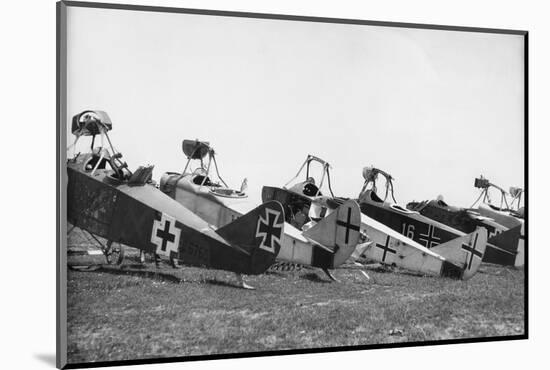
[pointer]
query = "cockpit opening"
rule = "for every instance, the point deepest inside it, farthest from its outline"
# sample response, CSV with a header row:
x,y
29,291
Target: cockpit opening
x,y
99,158
374,197
311,190
198,180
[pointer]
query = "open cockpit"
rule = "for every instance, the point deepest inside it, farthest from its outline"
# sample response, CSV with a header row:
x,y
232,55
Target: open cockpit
x,y
309,187
101,157
513,207
205,177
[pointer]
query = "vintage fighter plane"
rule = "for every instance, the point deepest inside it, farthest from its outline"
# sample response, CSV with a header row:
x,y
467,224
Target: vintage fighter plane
x,y
430,232
325,244
107,200
503,214
458,258
504,245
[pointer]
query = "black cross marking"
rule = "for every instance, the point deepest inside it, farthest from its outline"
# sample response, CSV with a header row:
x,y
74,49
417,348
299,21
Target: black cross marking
x,y
269,229
165,235
472,251
386,248
430,238
348,225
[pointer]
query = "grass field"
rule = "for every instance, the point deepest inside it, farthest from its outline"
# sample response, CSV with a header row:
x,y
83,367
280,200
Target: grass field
x,y
134,311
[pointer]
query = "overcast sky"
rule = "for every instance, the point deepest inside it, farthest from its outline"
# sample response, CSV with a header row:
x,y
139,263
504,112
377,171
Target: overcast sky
x,y
433,108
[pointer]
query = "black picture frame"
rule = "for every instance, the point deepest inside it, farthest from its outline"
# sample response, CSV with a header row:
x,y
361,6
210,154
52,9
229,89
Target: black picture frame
x,y
61,158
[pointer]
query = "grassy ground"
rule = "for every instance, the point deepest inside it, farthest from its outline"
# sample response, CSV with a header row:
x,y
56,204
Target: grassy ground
x,y
134,311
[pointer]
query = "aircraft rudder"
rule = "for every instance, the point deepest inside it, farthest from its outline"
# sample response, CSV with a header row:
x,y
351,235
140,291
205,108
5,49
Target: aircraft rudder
x,y
473,248
339,231
259,232
348,230
466,252
520,256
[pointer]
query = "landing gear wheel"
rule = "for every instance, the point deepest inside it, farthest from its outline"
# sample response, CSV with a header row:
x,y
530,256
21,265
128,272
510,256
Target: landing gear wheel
x,y
114,255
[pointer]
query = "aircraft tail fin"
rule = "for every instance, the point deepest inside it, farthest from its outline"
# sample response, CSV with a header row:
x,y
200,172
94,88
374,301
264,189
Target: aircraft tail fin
x,y
339,231
520,256
504,248
259,232
466,251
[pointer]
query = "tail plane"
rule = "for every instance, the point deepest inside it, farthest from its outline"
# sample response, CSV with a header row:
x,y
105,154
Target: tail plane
x,y
339,231
466,251
258,233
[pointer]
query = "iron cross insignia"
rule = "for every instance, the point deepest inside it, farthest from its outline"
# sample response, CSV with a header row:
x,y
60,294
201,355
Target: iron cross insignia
x,y
386,248
430,238
165,235
347,225
269,229
471,251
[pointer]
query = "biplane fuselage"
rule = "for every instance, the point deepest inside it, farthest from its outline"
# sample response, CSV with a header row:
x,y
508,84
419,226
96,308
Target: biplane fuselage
x,y
219,206
142,217
413,225
505,245
214,204
458,258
